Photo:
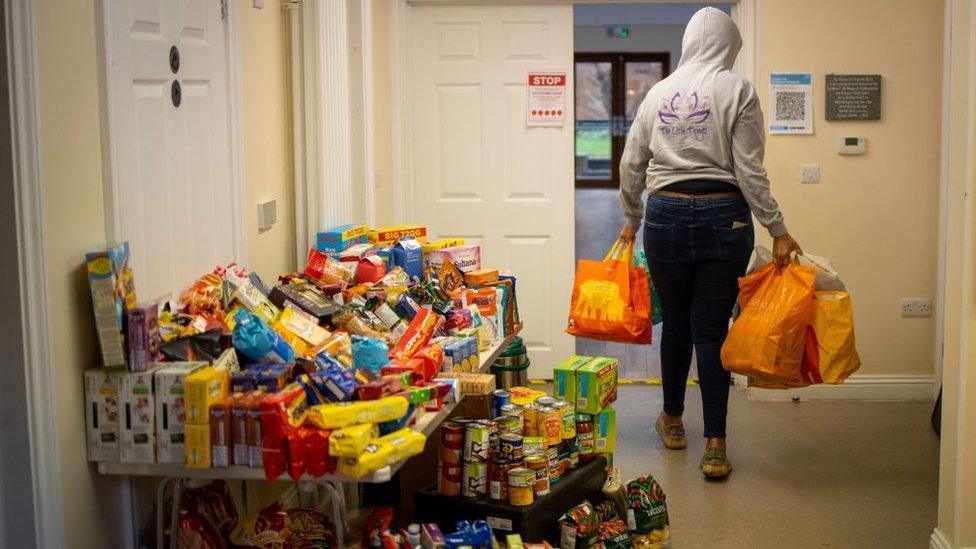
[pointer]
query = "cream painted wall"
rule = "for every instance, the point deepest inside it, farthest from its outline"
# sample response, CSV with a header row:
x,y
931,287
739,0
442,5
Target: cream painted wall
x,y
71,164
876,215
382,112
74,221
267,137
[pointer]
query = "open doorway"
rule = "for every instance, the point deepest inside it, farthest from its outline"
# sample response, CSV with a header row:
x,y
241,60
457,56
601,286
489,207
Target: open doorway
x,y
620,52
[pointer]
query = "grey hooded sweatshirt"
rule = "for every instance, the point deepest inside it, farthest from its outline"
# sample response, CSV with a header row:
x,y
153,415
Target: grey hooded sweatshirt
x,y
701,122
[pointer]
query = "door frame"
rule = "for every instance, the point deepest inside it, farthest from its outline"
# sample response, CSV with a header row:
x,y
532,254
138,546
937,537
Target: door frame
x,y
37,421
744,13
235,122
618,60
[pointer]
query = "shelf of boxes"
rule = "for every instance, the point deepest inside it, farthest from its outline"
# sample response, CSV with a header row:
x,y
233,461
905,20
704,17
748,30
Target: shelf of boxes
x,y
426,425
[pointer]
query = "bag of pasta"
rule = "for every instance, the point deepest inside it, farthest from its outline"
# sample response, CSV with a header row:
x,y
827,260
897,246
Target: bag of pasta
x,y
647,514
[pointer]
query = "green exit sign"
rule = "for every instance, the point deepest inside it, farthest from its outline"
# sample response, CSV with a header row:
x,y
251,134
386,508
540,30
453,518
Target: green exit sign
x,y
618,32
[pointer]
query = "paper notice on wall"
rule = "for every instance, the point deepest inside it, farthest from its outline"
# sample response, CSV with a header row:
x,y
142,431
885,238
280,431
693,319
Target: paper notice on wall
x,y
791,103
545,98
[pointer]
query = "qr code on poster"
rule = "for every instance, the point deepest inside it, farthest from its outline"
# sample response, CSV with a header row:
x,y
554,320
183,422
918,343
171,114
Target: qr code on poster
x,y
790,105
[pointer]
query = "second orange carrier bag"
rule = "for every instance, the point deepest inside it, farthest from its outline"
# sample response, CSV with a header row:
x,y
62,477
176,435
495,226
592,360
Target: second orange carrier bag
x,y
766,341
611,298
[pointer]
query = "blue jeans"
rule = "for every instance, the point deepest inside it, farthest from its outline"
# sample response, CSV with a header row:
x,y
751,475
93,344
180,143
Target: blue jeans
x,y
697,248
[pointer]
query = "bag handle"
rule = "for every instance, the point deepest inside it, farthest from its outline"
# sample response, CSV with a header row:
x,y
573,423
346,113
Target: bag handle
x,y
619,250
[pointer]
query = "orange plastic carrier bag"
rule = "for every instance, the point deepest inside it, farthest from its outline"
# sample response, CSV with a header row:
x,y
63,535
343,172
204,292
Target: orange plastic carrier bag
x,y
766,341
611,298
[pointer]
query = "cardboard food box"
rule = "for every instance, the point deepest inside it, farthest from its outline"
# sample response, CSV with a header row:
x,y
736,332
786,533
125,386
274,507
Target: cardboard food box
x,y
406,254
170,402
102,415
142,336
306,297
220,437
370,269
112,292
338,239
203,388
253,404
564,377
605,431
440,244
137,440
198,446
238,428
596,385
466,258
383,236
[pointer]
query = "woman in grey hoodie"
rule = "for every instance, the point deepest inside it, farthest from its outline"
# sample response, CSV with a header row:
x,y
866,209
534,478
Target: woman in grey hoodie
x,y
697,146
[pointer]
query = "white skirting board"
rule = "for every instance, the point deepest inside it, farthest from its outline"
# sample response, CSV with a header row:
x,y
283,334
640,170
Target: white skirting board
x,y
938,540
863,387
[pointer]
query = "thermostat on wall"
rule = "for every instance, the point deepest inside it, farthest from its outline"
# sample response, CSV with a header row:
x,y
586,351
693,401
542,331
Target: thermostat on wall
x,y
850,145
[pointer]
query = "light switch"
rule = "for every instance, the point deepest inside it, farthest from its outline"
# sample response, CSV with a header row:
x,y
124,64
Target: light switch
x,y
810,173
258,4
267,214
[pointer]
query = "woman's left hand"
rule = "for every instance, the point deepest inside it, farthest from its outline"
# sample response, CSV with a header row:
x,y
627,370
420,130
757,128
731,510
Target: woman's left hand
x,y
627,233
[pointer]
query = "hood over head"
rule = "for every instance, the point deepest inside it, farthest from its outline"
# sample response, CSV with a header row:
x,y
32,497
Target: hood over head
x,y
712,38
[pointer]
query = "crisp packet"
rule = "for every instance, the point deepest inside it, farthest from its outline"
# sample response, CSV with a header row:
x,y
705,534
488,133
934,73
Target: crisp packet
x,y
369,352
647,516
258,303
383,451
253,338
327,269
342,414
419,332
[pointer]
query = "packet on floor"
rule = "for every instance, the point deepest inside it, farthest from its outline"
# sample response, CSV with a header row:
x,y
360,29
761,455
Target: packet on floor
x,y
349,442
170,397
102,415
596,385
138,433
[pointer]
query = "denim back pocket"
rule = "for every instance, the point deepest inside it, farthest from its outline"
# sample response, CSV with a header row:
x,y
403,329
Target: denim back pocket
x,y
659,240
734,242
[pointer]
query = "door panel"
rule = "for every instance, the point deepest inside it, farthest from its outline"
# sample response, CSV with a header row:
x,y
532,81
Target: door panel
x,y
171,166
478,172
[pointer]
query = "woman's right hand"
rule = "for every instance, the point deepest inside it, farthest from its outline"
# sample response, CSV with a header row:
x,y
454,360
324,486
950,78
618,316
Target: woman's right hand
x,y
783,248
627,233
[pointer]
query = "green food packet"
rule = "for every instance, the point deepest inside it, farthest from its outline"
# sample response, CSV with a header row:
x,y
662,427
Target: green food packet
x,y
648,510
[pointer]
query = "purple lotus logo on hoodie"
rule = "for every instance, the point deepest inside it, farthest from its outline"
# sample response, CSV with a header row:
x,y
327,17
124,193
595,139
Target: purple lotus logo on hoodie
x,y
682,116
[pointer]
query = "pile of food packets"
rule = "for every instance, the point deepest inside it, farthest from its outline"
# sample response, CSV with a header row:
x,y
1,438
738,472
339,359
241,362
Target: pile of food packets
x,y
322,372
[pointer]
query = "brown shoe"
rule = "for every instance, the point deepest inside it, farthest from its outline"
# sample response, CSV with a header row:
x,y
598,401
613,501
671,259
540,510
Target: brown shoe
x,y
673,436
715,463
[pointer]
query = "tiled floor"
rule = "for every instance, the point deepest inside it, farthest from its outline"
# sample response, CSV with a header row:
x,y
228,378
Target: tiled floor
x,y
809,474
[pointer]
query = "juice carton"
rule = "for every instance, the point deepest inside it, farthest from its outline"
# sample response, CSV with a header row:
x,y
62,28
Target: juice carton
x,y
112,292
384,236
564,378
596,385
605,431
171,409
203,388
406,254
142,336
338,239
137,442
102,415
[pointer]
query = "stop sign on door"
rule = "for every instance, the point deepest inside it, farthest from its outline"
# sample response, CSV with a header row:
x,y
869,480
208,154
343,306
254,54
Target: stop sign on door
x,y
545,98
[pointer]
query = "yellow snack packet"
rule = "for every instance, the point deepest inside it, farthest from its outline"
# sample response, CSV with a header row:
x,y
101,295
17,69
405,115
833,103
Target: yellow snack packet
x,y
342,414
349,442
386,450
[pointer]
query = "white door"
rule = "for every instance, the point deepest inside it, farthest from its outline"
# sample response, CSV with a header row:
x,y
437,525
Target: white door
x,y
478,172
170,195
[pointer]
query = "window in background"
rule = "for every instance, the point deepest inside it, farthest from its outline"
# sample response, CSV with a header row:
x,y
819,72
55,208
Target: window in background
x,y
609,89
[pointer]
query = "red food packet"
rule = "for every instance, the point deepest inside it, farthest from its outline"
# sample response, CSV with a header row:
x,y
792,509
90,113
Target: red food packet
x,y
418,333
432,357
319,462
297,454
195,531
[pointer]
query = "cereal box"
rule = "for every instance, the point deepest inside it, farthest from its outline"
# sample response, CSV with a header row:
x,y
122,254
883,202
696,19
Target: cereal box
x,y
605,431
142,336
171,409
383,236
102,415
220,437
564,377
338,239
596,385
203,388
137,441
198,446
466,258
112,292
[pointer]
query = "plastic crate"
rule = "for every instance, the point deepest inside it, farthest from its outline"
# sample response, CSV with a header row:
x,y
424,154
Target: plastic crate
x,y
534,522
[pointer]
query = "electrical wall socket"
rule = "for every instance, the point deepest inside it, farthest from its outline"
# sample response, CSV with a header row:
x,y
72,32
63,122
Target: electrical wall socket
x,y
916,306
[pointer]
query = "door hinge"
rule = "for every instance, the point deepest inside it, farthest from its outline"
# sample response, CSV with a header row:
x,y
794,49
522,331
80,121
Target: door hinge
x,y
223,9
